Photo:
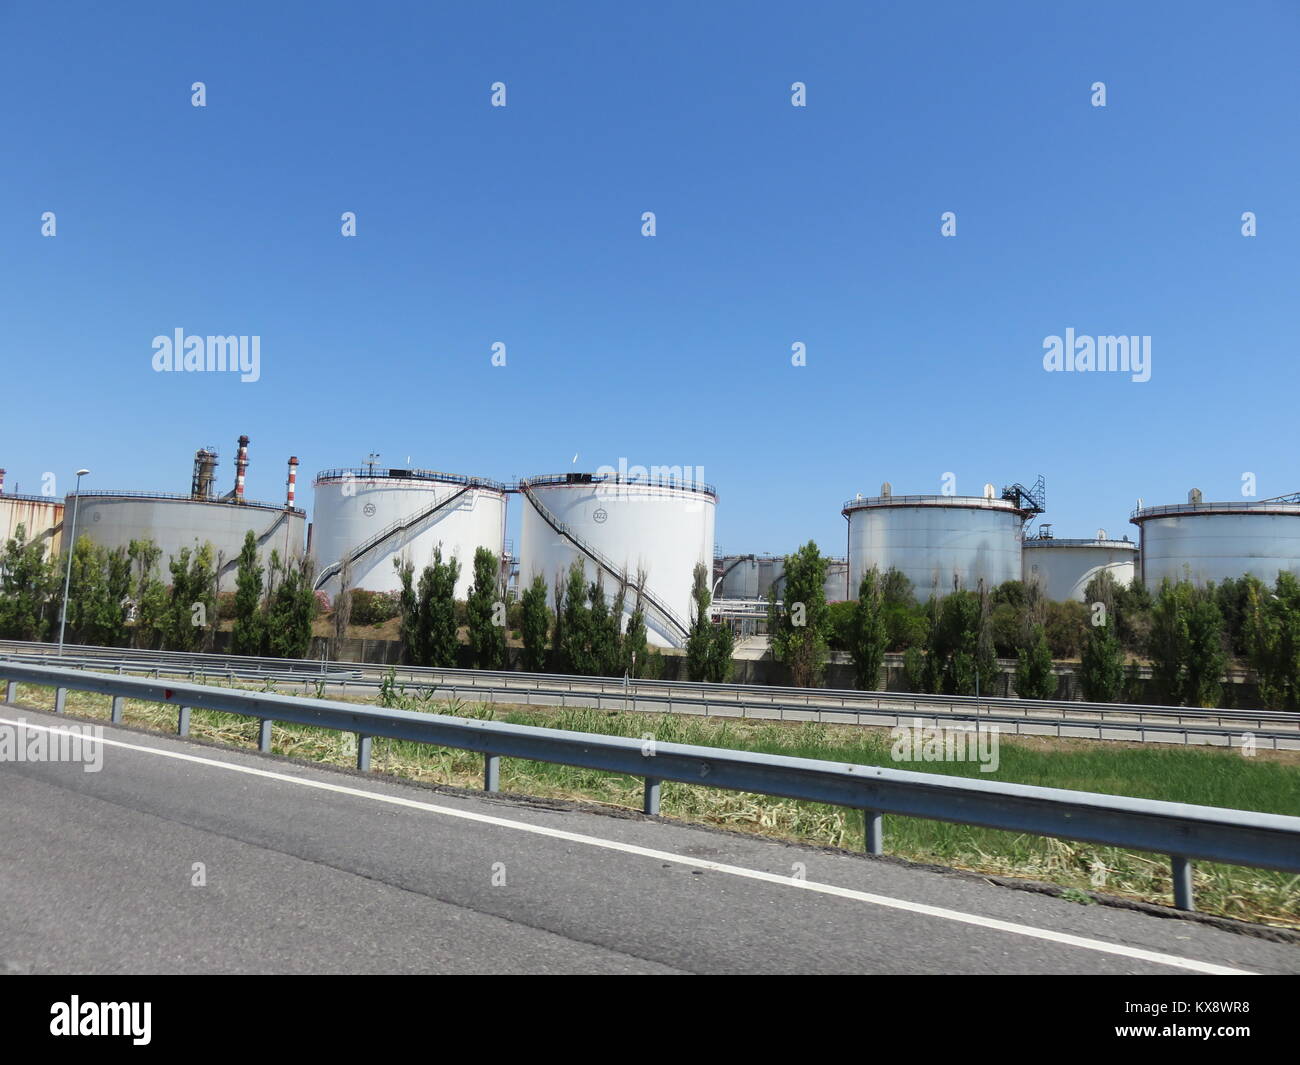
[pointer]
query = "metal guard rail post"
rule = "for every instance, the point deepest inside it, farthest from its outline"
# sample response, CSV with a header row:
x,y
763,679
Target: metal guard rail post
x,y
1182,831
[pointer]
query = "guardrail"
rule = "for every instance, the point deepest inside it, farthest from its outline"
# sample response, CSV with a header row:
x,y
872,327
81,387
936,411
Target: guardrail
x,y
814,698
1172,726
1183,832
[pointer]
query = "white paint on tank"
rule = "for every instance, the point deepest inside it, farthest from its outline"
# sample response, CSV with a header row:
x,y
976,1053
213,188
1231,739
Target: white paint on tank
x,y
663,529
934,541
1063,568
1212,541
353,507
113,521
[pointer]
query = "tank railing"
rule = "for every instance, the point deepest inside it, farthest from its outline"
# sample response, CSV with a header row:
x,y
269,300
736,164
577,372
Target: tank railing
x,y
685,484
934,500
399,525
1245,506
665,613
840,560
22,497
1060,541
382,473
184,497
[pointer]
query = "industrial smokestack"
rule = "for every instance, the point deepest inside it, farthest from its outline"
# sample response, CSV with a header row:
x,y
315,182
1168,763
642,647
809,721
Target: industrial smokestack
x,y
205,473
2,482
293,480
241,468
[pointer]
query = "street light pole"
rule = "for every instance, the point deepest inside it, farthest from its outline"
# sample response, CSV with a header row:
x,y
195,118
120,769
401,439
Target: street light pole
x,y
69,545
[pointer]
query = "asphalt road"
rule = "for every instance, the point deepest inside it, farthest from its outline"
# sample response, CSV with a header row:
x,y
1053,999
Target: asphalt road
x,y
312,870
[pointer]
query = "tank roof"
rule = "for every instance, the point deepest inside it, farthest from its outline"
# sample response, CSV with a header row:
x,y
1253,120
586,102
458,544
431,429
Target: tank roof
x,y
1108,543
961,502
550,480
173,497
376,473
52,500
1263,506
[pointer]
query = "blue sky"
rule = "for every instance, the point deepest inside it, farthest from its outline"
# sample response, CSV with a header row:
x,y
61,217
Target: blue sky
x,y
775,225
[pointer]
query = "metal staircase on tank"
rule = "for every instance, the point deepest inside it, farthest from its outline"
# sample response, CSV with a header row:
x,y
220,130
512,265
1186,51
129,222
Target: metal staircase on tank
x,y
664,613
1029,501
270,531
401,525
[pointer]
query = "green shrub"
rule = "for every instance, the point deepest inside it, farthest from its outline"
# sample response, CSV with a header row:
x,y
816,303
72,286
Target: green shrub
x,y
841,625
373,608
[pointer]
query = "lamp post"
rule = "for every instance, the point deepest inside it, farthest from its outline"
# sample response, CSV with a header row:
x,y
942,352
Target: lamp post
x,y
70,544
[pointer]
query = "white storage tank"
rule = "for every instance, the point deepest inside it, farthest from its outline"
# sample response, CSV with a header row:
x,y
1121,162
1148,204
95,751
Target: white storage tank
x,y
1205,542
1063,568
618,525
172,522
375,515
40,516
935,540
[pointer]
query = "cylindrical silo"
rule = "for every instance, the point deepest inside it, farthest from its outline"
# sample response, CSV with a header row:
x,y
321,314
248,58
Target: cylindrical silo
x,y
618,526
1063,568
40,516
837,580
373,516
739,578
1204,542
173,522
771,575
937,542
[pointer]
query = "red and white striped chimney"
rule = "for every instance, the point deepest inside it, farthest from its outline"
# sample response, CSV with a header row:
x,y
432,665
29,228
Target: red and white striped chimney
x,y
293,480
241,467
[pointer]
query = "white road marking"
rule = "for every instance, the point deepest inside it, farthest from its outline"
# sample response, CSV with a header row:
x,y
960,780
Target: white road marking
x,y
886,901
